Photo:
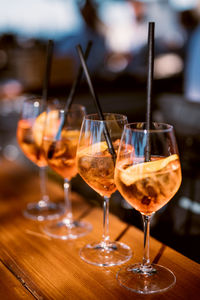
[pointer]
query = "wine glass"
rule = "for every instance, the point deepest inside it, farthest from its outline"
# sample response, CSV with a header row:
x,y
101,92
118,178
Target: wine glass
x,y
96,166
147,174
60,147
29,136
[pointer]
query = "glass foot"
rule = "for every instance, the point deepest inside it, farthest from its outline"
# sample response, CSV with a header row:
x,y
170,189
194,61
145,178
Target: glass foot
x,y
159,279
106,254
67,231
42,211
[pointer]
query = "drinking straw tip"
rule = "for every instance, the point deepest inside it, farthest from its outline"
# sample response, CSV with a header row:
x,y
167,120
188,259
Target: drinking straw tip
x,y
150,70
149,85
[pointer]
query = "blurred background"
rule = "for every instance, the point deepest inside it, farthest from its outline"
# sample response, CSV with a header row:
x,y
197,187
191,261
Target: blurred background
x,y
118,66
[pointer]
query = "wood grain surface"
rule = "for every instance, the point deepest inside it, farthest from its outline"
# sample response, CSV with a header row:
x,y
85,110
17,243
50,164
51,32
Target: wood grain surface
x,y
35,266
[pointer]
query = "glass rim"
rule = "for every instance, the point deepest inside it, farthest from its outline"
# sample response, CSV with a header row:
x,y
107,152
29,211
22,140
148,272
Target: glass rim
x,y
50,99
168,127
74,107
120,117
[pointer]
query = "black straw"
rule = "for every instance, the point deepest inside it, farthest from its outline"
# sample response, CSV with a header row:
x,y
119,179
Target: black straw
x,y
47,74
69,101
73,91
149,86
76,83
97,103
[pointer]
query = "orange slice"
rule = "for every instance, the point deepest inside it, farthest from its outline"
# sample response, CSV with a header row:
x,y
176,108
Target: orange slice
x,y
93,149
51,128
143,170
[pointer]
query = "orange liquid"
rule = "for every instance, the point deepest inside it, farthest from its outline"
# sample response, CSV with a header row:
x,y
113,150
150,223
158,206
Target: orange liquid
x,y
28,145
61,155
151,190
97,169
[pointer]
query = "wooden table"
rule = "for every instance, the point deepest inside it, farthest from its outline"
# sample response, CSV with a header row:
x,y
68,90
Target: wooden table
x,y
34,266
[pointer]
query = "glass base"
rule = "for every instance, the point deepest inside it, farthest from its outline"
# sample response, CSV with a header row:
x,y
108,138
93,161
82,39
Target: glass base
x,y
106,254
156,280
42,211
67,230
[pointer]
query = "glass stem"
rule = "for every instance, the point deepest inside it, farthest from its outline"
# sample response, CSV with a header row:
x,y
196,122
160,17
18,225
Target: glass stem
x,y
68,216
43,187
146,266
106,220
